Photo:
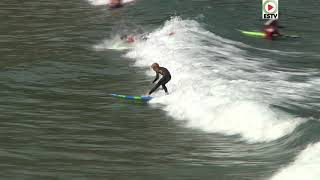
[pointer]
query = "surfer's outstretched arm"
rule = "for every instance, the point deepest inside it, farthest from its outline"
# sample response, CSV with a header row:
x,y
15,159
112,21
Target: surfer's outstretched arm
x,y
163,81
157,77
154,88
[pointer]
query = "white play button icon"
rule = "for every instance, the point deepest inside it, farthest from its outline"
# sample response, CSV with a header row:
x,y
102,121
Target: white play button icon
x,y
270,7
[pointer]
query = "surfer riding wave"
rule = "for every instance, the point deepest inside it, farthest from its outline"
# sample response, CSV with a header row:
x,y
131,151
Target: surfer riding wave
x,y
166,77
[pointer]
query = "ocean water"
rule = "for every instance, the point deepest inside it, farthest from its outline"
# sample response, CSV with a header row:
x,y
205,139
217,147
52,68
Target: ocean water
x,y
239,108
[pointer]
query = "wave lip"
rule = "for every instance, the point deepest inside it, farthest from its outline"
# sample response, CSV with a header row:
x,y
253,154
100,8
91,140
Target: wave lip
x,y
215,87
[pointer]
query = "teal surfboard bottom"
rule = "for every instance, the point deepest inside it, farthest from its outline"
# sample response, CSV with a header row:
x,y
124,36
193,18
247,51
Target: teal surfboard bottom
x,y
142,98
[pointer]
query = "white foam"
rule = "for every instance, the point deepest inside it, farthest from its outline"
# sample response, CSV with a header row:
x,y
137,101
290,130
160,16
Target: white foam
x,y
105,2
215,87
114,43
306,166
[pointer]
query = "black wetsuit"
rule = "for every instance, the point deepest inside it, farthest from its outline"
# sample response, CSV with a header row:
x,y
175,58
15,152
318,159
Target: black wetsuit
x,y
166,76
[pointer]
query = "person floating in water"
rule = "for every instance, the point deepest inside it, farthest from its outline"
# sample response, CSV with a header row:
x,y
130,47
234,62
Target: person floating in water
x,y
271,29
133,38
128,39
166,77
115,4
171,33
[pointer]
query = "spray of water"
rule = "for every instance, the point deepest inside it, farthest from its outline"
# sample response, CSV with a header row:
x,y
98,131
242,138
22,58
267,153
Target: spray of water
x,y
215,86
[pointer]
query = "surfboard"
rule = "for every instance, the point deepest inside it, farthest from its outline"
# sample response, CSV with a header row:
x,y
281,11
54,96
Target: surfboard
x,y
142,98
258,34
106,2
120,46
253,34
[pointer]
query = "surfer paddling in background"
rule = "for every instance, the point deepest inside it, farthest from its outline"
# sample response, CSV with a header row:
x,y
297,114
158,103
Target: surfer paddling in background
x,y
271,29
128,39
113,4
166,77
133,38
